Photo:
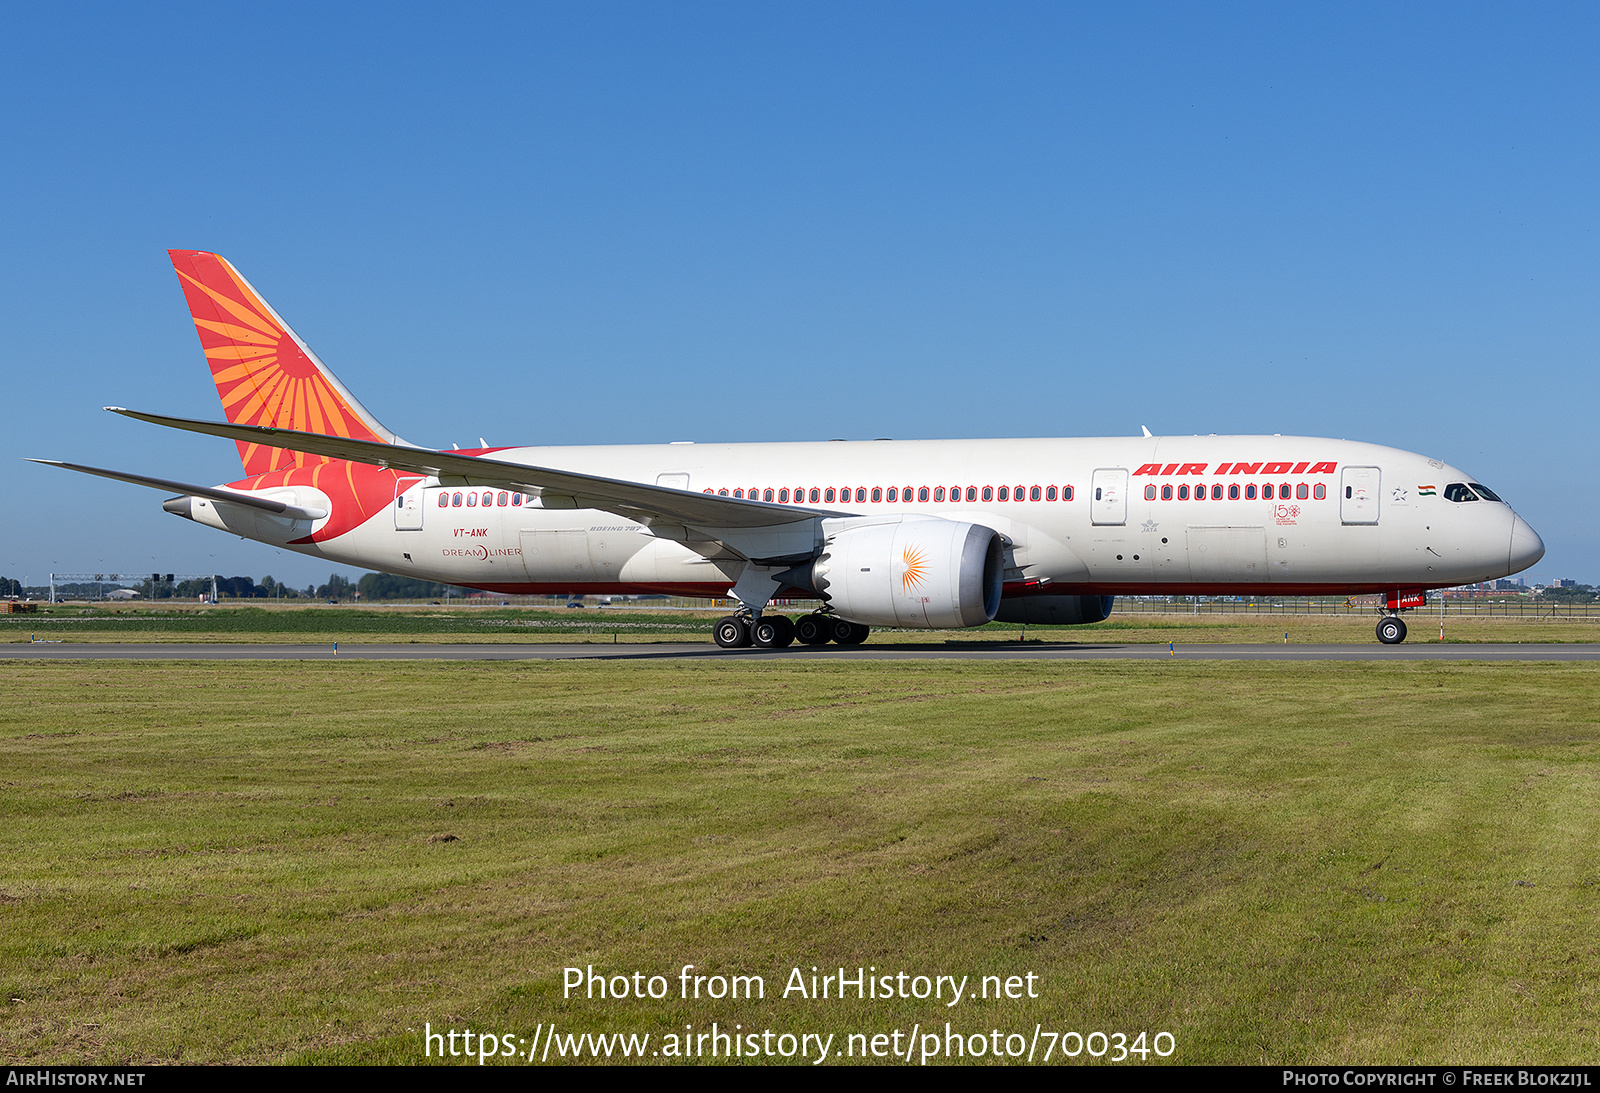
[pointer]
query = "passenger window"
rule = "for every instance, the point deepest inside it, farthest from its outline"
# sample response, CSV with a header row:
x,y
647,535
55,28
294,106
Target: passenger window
x,y
472,500
1266,492
894,494
1183,493
1200,493
1321,492
766,495
516,500
1005,494
861,495
1033,493
455,501
814,492
723,492
1216,492
988,493
1066,493
1302,491
1250,492
444,500
905,494
1049,493
502,498
972,493
1166,493
1283,492
1016,494
738,493
1149,493
1233,491
922,493
827,494
877,495
938,493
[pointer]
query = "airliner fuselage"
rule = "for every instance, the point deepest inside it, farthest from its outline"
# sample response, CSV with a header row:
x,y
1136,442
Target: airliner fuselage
x,y
1104,516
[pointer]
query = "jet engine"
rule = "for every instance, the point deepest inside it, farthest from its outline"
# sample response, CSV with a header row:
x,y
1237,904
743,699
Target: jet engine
x,y
921,572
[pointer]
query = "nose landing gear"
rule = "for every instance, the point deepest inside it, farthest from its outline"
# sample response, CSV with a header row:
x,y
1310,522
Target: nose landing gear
x,y
1391,629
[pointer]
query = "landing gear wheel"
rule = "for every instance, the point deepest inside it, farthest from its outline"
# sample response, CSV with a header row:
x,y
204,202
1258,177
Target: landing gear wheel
x,y
848,633
1391,631
732,632
772,632
812,630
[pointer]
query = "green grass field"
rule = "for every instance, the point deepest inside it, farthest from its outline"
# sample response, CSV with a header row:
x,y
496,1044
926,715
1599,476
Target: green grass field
x,y
1274,863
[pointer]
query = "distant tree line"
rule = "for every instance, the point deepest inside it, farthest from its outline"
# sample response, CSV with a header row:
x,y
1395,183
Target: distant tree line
x,y
10,586
1583,593
386,586
371,587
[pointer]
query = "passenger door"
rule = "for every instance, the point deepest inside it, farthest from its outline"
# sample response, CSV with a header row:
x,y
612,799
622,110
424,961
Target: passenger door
x,y
408,504
1108,496
1358,495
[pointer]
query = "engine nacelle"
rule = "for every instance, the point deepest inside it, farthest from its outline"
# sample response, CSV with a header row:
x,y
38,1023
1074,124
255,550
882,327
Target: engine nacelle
x,y
921,572
1060,610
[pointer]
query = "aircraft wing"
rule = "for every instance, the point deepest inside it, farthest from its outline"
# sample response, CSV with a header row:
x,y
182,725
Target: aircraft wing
x,y
214,493
649,504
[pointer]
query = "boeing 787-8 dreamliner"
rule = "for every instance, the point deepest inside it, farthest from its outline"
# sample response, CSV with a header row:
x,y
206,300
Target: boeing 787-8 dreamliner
x,y
923,534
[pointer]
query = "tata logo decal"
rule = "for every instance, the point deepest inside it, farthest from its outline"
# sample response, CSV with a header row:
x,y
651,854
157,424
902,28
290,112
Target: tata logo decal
x,y
1305,467
916,563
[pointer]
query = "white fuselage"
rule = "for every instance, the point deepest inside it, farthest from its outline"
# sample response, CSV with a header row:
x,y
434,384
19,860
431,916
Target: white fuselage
x,y
1296,515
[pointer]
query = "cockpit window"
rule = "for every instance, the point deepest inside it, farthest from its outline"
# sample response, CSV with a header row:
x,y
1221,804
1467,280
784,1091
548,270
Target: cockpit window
x,y
1486,493
1458,491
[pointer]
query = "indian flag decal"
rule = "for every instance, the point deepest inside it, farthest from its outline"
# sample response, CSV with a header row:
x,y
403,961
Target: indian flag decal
x,y
1427,491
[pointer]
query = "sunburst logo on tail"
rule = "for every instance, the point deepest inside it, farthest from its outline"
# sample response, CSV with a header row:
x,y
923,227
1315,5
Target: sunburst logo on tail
x,y
263,373
916,563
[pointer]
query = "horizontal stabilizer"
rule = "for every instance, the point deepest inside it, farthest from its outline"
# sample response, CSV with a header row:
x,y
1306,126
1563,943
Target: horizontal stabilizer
x,y
211,493
558,489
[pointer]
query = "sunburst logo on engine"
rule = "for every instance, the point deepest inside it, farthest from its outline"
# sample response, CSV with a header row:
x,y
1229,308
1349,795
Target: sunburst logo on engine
x,y
916,563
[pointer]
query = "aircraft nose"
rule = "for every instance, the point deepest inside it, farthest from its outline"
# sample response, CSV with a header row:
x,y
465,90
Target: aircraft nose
x,y
1526,546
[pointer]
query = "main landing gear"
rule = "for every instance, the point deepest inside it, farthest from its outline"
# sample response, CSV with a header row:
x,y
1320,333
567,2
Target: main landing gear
x,y
778,631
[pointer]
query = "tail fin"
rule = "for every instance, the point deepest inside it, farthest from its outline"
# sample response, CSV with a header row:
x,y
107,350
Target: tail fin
x,y
265,374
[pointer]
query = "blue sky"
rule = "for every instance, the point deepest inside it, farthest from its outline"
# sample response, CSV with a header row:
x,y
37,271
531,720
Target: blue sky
x,y
616,223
